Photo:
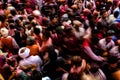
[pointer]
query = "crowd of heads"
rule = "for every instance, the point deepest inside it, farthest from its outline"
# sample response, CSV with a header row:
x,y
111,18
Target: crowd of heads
x,y
59,39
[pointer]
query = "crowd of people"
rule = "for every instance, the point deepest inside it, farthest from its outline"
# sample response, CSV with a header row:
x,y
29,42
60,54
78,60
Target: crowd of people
x,y
59,40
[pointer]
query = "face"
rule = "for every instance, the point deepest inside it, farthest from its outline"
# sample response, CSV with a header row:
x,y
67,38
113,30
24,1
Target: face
x,y
75,69
55,20
104,15
108,38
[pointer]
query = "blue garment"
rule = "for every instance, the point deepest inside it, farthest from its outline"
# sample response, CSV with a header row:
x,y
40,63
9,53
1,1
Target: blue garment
x,y
118,18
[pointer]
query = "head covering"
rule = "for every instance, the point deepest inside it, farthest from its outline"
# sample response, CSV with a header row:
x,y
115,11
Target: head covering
x,y
36,13
10,7
24,52
4,32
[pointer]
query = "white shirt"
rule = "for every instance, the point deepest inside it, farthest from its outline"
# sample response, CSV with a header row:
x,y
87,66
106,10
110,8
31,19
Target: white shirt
x,y
104,46
31,60
115,51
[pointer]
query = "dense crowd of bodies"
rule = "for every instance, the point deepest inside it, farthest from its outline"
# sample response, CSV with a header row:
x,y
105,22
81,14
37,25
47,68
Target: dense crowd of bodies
x,y
59,40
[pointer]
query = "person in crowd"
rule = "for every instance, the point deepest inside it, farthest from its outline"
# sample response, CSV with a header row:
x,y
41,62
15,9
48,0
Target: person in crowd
x,y
103,24
107,43
8,43
81,70
115,50
47,33
29,61
34,47
78,29
117,8
46,41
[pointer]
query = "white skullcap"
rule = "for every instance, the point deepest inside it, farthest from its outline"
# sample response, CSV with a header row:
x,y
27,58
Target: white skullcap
x,y
46,78
24,52
36,13
4,32
65,16
10,8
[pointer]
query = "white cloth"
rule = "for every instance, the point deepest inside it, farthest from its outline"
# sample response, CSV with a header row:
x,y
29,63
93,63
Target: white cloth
x,y
25,53
46,78
80,33
115,52
31,60
104,46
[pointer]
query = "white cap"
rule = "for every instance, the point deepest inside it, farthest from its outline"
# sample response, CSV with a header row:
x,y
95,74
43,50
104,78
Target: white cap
x,y
10,7
4,32
36,13
24,52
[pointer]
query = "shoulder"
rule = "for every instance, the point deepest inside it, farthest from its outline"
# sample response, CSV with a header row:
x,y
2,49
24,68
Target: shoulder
x,y
102,40
65,76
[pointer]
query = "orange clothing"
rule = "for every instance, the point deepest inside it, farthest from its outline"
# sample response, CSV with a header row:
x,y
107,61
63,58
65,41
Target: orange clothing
x,y
1,77
34,49
116,75
7,43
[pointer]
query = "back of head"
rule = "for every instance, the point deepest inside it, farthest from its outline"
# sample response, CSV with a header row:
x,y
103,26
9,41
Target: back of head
x,y
30,40
36,75
116,13
76,60
73,76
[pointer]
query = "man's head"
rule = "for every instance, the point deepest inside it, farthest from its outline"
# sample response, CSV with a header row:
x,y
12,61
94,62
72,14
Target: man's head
x,y
24,52
4,32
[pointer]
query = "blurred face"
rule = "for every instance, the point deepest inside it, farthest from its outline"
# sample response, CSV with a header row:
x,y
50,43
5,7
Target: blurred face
x,y
104,15
109,38
75,69
55,20
118,42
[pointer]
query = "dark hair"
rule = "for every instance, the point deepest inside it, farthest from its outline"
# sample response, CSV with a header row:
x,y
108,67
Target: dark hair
x,y
2,18
12,26
73,76
116,13
6,72
102,12
37,31
30,40
36,75
76,60
30,17
112,59
10,20
11,61
13,12
34,23
46,34
110,33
